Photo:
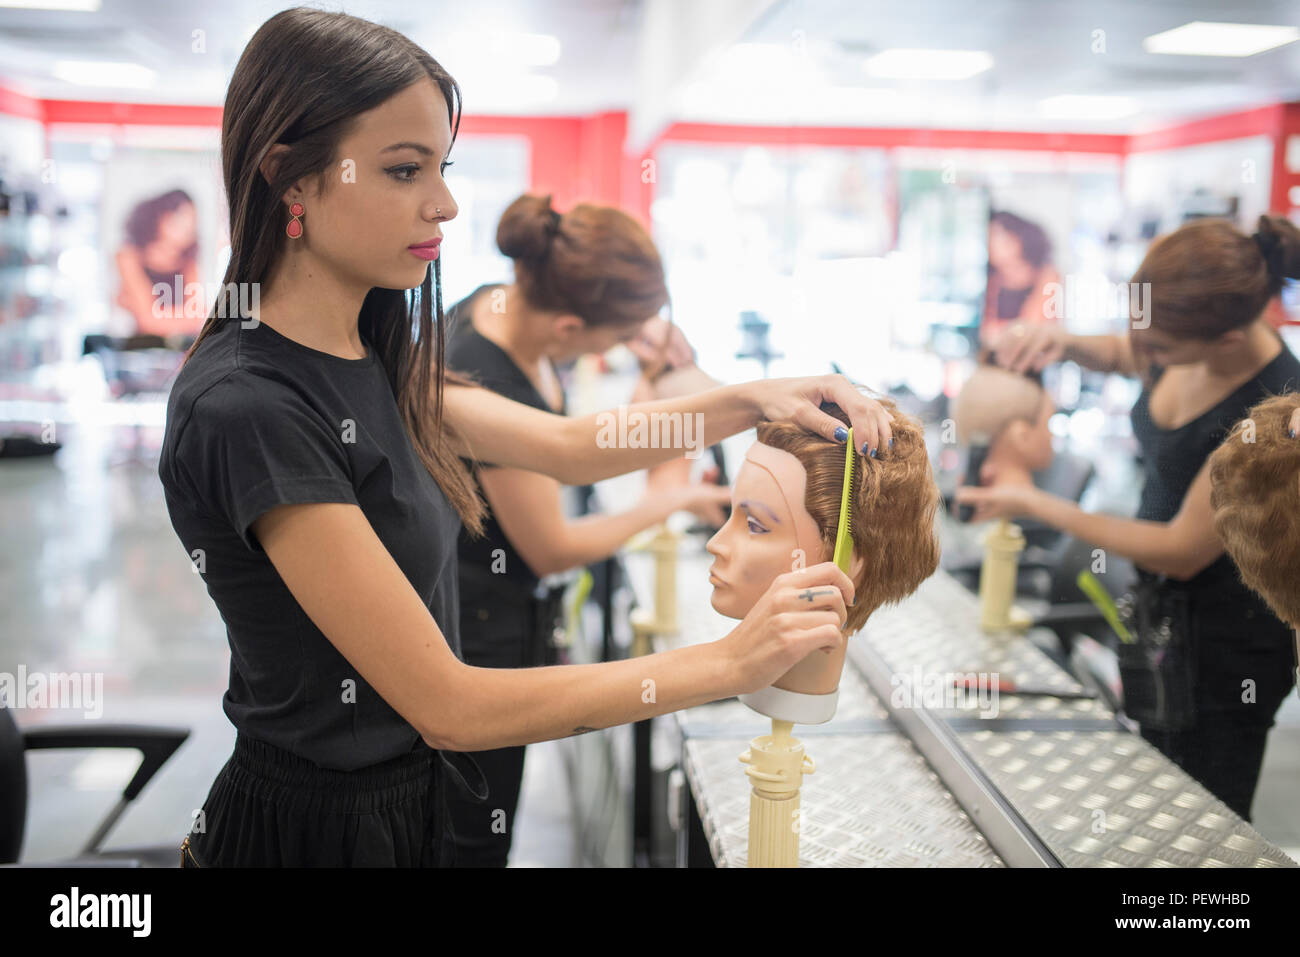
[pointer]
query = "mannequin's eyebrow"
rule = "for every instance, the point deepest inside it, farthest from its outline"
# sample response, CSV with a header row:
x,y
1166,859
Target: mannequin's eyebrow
x,y
748,503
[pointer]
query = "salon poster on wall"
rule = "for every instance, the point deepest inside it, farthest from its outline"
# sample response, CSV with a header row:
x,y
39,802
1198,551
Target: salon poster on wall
x,y
165,240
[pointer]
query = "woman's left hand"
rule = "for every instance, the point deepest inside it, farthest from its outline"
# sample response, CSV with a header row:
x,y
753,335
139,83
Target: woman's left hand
x,y
998,501
799,400
660,345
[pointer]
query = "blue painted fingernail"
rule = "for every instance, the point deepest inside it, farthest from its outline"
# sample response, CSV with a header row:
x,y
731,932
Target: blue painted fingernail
x,y
865,448
841,434
891,443
873,454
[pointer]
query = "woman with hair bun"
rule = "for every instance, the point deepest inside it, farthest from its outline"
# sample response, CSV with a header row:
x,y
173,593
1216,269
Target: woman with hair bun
x,y
584,282
1212,662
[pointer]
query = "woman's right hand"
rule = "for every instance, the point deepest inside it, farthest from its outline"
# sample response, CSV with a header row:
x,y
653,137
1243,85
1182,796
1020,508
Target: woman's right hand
x,y
800,612
1026,346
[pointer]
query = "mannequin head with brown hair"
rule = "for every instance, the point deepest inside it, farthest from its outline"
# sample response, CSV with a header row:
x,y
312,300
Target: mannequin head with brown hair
x,y
589,278
1255,493
785,513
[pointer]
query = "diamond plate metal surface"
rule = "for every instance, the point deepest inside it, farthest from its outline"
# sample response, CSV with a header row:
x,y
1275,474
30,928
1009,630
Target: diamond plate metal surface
x,y
935,631
873,802
1109,799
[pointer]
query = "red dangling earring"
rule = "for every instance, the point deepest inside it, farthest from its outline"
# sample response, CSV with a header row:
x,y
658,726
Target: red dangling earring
x,y
294,228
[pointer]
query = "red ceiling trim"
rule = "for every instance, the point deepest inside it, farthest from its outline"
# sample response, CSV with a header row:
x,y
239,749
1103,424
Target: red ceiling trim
x,y
131,114
1261,121
893,137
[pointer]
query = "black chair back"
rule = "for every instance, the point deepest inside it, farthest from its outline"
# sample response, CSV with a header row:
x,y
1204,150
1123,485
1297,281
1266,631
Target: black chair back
x,y
13,788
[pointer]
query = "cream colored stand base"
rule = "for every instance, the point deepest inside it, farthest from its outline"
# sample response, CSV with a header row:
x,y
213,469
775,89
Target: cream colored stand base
x,y
662,619
776,766
793,706
1002,547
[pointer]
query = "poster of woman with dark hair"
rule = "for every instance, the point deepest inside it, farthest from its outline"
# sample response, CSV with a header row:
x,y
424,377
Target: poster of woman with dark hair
x,y
1020,272
161,249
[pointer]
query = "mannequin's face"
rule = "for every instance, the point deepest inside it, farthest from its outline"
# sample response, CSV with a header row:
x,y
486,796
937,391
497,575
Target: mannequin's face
x,y
762,537
1033,440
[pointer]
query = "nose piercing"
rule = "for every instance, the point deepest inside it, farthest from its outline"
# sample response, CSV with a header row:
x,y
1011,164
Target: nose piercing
x,y
438,210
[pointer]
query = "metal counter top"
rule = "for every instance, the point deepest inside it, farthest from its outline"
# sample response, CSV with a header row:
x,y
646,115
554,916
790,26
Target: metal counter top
x,y
1048,781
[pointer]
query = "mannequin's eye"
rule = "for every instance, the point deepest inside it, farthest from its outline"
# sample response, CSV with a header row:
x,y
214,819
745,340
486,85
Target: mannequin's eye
x,y
756,528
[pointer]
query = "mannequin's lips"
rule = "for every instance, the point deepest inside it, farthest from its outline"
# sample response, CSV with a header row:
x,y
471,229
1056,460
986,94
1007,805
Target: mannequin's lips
x,y
716,581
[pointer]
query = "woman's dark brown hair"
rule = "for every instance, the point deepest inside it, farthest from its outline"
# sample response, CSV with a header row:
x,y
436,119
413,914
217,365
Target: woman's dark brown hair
x,y
893,503
1207,277
594,262
303,79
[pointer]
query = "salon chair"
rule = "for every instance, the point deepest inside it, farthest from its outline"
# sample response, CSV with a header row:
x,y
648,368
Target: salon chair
x,y
137,365
156,745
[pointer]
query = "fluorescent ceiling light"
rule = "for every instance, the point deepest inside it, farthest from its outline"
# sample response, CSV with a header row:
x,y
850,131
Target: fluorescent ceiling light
x,y
82,6
1199,38
1082,107
503,46
928,64
91,73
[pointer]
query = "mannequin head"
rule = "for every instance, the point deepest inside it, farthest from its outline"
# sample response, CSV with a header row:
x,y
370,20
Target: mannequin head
x,y
1255,493
785,508
1010,412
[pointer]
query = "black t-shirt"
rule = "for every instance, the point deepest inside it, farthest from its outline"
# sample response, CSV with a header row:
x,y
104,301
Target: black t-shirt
x,y
1172,457
256,420
1238,637
470,352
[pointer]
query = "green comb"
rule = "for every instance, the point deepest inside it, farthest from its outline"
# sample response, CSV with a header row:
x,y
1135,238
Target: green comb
x,y
1096,592
843,540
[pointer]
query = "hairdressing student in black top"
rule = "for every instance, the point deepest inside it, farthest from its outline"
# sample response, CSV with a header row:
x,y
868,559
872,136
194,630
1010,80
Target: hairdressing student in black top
x,y
584,282
312,470
1207,354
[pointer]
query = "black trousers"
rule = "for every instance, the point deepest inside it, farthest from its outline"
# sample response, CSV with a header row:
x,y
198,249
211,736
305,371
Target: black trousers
x,y
502,625
271,808
1245,669
493,634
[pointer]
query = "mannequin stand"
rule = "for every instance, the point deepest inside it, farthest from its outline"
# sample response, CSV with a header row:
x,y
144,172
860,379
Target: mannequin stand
x,y
662,619
1002,547
776,766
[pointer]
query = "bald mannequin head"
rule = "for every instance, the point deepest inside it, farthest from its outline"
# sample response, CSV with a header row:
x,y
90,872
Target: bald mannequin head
x,y
1009,412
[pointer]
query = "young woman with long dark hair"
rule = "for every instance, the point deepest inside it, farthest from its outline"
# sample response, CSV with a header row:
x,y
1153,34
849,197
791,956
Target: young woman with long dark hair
x,y
311,466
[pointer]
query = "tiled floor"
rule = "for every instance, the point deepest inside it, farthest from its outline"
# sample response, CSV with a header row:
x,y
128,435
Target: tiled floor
x,y
93,579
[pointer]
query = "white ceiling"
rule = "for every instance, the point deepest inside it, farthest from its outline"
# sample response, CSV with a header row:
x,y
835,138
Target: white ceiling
x,y
597,38
800,48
